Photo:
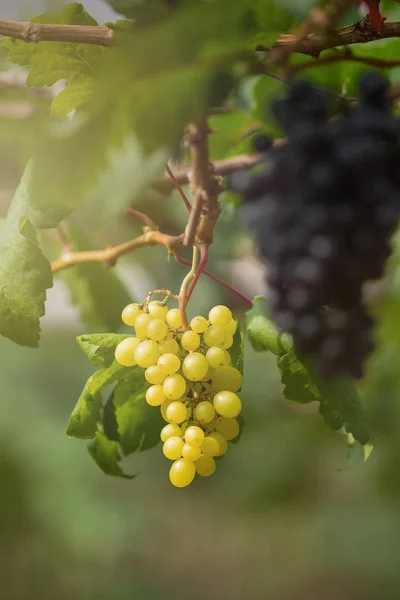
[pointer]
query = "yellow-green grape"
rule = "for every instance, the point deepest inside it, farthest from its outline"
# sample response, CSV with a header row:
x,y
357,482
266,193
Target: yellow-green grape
x,y
204,412
169,363
227,358
228,343
228,427
155,395
125,352
141,323
215,356
182,472
210,446
157,330
195,366
174,386
198,324
163,409
158,310
221,441
147,353
169,346
220,315
154,375
190,452
208,375
227,404
176,412
174,318
169,431
172,448
231,327
194,436
226,378
130,313
214,336
205,465
190,340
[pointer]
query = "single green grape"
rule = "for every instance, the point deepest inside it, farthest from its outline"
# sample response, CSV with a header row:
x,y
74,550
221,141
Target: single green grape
x,y
182,472
226,378
214,336
130,313
154,375
195,366
174,318
169,346
220,315
158,310
174,386
231,327
194,436
170,430
141,324
215,357
163,409
205,465
227,404
172,448
227,358
221,441
190,341
147,353
176,412
198,324
204,411
210,446
155,395
157,330
169,363
228,342
190,452
125,352
228,427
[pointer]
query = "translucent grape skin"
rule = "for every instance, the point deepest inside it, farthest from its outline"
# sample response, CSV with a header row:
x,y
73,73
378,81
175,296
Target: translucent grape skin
x,y
210,446
154,375
170,430
195,366
174,386
194,436
191,452
168,346
221,441
227,404
172,448
190,340
155,395
141,324
199,324
157,330
147,353
205,465
129,314
174,318
220,315
205,412
214,336
228,427
227,378
182,472
215,356
158,310
169,363
125,352
176,412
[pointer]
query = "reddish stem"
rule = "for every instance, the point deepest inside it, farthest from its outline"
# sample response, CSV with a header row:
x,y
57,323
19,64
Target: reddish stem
x,y
202,263
226,285
142,216
179,188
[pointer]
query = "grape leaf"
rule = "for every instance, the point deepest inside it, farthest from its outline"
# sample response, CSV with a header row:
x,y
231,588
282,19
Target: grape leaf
x,y
98,293
25,273
109,420
100,347
299,387
85,416
262,331
105,453
139,424
51,61
237,350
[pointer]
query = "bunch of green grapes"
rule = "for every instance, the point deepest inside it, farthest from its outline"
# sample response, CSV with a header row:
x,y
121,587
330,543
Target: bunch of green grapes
x,y
191,379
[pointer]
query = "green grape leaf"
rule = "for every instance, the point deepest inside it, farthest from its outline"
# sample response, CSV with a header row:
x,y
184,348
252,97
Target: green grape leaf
x,y
139,424
100,347
51,61
98,293
25,273
106,454
85,416
109,420
262,331
299,386
237,349
143,13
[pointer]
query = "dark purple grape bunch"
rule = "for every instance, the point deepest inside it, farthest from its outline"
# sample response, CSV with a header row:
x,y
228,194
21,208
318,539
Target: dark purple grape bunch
x,y
328,202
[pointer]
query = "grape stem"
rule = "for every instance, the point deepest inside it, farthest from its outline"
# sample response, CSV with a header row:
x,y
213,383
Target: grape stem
x,y
178,188
182,292
224,284
143,217
202,263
